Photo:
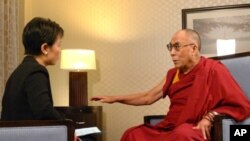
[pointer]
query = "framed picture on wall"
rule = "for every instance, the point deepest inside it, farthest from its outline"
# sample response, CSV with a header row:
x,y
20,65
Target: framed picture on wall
x,y
223,29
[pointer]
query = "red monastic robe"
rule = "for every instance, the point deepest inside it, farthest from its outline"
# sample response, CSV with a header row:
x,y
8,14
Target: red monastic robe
x,y
207,87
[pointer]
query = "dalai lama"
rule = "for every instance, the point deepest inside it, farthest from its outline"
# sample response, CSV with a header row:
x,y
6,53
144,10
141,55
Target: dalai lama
x,y
198,89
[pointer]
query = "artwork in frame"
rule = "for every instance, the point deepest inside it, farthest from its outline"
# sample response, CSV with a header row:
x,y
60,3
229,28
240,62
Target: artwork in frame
x,y
223,29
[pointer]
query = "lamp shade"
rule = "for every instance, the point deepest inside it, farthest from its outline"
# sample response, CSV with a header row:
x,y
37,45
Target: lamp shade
x,y
78,59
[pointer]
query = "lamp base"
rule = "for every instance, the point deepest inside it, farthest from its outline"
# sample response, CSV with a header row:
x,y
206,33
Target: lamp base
x,y
78,89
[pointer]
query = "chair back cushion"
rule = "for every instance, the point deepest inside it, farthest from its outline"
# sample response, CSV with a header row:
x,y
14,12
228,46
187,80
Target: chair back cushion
x,y
34,133
37,130
239,66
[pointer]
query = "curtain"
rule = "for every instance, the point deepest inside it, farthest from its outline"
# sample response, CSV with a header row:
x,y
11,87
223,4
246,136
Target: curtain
x,y
8,40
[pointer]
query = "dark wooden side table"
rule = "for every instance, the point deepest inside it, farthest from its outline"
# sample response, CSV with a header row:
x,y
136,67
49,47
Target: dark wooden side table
x,y
91,115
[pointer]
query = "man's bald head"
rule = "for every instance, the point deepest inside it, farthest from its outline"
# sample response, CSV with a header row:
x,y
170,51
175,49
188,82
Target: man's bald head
x,y
192,35
184,49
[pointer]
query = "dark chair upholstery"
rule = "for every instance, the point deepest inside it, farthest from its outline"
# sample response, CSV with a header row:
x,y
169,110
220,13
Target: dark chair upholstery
x,y
239,66
153,119
54,130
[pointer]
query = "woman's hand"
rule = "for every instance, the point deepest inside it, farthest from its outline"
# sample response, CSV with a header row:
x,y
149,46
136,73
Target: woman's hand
x,y
104,99
205,126
76,138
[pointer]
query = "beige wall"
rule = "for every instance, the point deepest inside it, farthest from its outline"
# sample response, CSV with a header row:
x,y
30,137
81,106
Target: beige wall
x,y
129,37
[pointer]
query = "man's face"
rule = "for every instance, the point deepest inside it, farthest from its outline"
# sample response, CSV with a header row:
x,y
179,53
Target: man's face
x,y
181,50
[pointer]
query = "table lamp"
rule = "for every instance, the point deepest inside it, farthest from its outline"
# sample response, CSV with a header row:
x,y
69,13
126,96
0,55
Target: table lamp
x,y
78,62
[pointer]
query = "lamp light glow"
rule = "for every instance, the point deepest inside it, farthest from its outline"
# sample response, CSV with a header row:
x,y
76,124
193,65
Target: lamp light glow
x,y
78,59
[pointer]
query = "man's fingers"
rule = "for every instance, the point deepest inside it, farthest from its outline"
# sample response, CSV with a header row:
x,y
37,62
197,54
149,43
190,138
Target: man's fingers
x,y
93,98
208,133
196,127
96,98
203,132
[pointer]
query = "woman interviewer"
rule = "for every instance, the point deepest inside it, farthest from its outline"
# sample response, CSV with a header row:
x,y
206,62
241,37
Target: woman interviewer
x,y
27,94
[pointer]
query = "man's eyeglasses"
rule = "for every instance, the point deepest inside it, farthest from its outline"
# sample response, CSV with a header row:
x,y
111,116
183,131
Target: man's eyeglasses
x,y
176,46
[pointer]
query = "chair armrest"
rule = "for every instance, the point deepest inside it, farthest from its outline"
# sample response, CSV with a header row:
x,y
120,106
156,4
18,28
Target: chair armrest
x,y
217,127
153,119
219,118
222,124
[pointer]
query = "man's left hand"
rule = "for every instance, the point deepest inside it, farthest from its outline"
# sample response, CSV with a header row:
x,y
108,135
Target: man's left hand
x,y
205,126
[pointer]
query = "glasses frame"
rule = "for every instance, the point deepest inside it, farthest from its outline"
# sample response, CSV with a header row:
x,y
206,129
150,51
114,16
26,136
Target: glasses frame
x,y
177,46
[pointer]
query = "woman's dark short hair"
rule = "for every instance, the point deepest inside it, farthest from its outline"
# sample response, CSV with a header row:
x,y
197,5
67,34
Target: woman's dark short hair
x,y
39,31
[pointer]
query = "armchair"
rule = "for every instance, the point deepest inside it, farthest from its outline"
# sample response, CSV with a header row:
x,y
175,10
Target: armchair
x,y
37,130
239,66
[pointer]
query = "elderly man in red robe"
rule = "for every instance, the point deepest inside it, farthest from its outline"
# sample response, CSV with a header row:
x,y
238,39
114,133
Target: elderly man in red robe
x,y
198,88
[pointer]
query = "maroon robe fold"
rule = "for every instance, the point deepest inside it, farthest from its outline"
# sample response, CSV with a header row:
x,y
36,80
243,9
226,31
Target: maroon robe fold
x,y
207,87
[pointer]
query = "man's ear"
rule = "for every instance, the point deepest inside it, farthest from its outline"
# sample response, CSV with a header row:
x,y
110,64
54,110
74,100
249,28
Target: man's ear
x,y
44,48
195,47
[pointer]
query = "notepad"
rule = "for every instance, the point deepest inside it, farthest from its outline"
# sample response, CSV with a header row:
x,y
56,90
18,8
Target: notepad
x,y
87,131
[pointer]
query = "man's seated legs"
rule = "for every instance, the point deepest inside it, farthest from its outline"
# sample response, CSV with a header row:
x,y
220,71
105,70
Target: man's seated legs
x,y
143,133
185,132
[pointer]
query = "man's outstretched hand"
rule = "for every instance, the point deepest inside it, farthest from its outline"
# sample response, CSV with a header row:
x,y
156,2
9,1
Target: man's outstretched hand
x,y
104,99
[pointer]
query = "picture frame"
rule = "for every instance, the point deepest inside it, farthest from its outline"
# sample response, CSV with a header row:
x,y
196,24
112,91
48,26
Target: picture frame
x,y
230,24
